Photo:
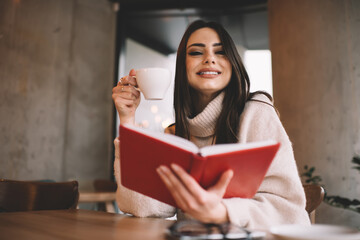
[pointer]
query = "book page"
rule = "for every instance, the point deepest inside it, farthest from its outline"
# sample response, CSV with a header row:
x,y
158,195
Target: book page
x,y
167,138
232,147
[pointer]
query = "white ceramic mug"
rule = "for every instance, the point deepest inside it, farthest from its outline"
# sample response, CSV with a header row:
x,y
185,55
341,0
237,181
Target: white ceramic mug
x,y
153,82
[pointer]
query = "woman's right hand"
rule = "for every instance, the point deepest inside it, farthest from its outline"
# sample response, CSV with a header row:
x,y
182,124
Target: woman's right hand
x,y
126,98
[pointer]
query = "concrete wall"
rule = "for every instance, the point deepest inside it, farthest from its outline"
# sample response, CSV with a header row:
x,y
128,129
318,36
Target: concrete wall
x,y
315,49
56,75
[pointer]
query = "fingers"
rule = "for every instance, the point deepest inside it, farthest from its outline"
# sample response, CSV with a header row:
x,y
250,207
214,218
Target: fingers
x,y
220,187
126,87
204,205
173,184
189,182
132,72
126,98
126,92
128,80
188,194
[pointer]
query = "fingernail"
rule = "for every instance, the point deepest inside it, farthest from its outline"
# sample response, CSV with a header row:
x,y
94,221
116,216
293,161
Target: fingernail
x,y
174,166
161,169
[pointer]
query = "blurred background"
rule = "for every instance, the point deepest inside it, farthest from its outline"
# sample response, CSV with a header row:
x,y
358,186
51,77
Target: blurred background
x,y
59,60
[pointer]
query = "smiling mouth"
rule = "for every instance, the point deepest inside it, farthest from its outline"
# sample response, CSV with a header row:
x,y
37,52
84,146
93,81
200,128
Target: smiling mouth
x,y
208,73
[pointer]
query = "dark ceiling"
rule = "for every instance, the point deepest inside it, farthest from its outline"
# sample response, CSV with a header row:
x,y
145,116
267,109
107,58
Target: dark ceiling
x,y
159,24
182,4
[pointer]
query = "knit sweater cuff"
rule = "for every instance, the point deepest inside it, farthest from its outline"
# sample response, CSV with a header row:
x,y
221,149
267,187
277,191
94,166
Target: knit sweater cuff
x,y
234,218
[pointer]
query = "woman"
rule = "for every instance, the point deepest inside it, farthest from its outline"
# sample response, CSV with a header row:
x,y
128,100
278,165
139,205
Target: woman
x,y
213,105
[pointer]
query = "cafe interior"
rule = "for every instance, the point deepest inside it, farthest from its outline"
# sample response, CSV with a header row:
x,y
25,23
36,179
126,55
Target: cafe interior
x,y
61,59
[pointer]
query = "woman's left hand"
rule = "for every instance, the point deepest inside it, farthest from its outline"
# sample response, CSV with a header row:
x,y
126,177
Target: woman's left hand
x,y
203,205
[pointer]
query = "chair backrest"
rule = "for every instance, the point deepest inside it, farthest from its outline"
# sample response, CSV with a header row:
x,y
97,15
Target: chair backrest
x,y
314,197
37,195
105,185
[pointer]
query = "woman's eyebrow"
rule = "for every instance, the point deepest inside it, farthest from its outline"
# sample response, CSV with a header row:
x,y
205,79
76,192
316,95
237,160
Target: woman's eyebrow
x,y
197,45
203,45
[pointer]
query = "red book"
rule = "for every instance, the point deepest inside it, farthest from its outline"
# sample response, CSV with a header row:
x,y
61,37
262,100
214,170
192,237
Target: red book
x,y
142,151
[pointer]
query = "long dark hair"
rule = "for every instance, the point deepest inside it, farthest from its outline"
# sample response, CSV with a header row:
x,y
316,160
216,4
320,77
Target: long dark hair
x,y
236,92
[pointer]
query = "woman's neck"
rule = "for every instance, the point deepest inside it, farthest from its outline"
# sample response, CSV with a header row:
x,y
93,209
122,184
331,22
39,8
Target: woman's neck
x,y
200,101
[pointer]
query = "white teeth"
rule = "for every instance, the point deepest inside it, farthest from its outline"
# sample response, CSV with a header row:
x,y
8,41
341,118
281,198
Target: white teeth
x,y
208,73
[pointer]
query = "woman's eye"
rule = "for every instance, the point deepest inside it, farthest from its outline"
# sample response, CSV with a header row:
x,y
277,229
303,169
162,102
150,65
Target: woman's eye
x,y
195,53
222,52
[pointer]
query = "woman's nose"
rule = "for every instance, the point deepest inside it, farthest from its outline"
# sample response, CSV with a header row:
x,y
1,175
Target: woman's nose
x,y
212,61
209,58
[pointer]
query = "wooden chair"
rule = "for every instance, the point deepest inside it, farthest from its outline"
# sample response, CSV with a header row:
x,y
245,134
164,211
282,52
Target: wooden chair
x,y
106,186
314,196
104,196
37,195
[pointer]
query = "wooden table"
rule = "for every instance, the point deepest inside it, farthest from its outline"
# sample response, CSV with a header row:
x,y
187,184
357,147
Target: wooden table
x,y
80,224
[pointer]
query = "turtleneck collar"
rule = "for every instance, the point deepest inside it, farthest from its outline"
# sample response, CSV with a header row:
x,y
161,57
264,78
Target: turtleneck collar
x,y
203,124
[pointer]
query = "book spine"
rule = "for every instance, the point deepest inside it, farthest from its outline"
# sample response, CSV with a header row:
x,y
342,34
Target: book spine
x,y
197,167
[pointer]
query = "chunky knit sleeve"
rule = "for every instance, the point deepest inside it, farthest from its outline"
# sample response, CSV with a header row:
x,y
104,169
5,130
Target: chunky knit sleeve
x,y
280,198
135,203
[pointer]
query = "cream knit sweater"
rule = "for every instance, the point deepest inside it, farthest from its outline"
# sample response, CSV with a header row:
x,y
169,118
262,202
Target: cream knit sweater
x,y
280,198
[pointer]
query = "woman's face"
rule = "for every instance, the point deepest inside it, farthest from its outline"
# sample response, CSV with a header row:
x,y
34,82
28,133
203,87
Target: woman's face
x,y
208,69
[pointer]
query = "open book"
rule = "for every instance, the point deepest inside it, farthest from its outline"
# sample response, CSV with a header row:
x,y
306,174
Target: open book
x,y
142,151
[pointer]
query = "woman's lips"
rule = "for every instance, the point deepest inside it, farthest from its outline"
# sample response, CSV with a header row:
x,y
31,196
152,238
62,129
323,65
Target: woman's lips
x,y
208,73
